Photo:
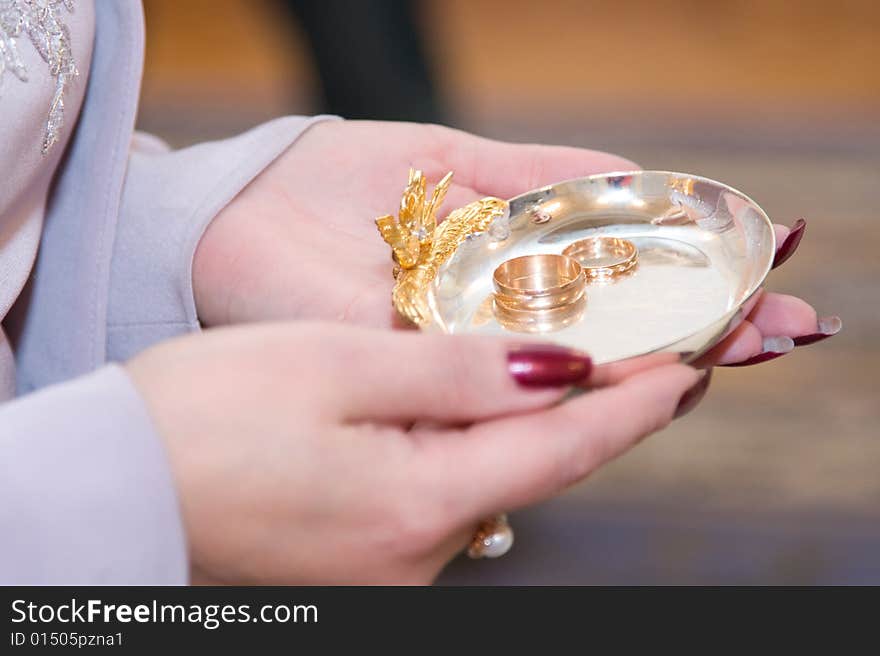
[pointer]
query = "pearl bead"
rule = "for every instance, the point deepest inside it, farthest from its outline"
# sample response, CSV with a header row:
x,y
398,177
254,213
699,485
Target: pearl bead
x,y
498,542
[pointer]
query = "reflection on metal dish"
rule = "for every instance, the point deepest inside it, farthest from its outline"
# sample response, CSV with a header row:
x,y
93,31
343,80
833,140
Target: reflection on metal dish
x,y
539,321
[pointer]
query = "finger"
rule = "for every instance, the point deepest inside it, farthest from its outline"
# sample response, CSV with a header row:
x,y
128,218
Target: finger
x,y
781,314
497,168
507,463
780,322
786,247
771,348
694,395
825,327
400,376
781,233
615,372
746,346
743,343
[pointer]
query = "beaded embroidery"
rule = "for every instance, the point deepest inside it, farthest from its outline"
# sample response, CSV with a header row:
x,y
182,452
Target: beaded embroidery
x,y
41,21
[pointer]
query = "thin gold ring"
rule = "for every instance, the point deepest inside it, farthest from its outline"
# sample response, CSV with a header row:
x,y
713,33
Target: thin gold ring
x,y
538,282
604,258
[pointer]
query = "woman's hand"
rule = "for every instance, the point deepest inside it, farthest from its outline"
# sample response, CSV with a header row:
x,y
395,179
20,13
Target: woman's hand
x,y
774,324
318,453
300,241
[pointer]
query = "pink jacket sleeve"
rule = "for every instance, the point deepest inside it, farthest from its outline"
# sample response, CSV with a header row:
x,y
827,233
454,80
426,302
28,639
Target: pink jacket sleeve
x,y
86,491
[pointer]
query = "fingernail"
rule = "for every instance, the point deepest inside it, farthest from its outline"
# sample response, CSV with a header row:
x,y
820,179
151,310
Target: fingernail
x,y
774,347
694,394
547,365
826,327
789,246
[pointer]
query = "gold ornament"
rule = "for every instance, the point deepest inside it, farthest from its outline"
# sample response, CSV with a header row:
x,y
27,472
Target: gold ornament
x,y
419,245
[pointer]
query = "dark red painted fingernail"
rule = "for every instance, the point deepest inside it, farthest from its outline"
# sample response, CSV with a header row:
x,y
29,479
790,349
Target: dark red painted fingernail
x,y
694,395
774,347
547,365
826,327
789,246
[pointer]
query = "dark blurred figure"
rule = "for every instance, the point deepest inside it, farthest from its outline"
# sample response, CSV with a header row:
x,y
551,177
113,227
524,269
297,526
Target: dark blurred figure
x,y
371,58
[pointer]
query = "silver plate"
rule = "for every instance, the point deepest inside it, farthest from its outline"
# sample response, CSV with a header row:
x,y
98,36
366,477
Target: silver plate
x,y
704,250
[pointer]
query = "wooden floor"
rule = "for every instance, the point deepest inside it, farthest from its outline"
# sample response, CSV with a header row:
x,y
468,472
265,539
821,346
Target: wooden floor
x,y
776,477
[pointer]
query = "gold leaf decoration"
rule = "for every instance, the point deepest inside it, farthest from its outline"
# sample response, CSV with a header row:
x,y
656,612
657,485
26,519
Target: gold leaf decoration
x,y
420,246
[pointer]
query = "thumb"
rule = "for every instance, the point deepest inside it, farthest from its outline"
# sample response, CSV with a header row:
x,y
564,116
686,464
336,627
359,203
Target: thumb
x,y
399,376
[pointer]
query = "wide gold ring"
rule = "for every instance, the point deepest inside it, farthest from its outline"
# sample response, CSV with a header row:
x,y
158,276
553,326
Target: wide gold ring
x,y
538,282
604,258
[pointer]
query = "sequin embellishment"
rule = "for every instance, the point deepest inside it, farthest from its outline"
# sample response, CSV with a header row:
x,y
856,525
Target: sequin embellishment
x,y
41,21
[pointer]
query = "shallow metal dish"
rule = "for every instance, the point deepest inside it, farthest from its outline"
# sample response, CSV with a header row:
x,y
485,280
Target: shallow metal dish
x,y
704,250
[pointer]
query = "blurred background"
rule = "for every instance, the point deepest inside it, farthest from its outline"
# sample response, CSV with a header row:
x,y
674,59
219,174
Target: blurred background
x,y
775,478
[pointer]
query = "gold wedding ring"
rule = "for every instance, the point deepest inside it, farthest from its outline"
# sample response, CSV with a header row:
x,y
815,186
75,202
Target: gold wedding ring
x,y
604,258
538,282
